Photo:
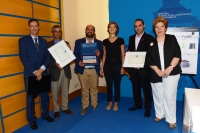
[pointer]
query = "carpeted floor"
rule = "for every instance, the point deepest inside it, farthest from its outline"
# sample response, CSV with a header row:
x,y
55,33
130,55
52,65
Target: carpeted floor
x,y
102,121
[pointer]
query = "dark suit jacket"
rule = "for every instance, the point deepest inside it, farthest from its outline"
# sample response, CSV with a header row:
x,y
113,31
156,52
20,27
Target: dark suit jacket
x,y
30,58
77,53
171,50
54,70
145,40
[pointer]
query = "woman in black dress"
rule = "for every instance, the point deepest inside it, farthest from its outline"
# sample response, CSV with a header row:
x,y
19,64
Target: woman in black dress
x,y
113,59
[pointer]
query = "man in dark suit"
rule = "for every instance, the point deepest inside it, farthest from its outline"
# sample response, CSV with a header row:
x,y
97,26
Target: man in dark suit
x,y
60,77
88,75
35,58
140,76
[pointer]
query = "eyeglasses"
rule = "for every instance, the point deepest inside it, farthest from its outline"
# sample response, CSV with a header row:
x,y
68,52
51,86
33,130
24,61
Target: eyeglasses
x,y
57,31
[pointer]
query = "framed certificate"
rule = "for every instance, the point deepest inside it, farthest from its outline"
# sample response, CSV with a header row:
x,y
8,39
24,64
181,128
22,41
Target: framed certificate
x,y
61,53
89,59
88,53
134,59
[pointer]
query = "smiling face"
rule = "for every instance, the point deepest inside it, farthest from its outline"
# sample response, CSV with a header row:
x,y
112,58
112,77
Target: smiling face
x,y
90,31
34,28
160,29
139,27
57,33
112,29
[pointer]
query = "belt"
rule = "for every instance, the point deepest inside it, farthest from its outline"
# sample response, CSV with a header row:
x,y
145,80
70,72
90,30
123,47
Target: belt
x,y
90,68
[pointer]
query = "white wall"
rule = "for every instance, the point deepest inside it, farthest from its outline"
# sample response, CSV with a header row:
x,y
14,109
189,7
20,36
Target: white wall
x,y
76,15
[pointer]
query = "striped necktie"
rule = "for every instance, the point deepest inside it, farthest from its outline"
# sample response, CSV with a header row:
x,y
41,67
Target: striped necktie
x,y
36,44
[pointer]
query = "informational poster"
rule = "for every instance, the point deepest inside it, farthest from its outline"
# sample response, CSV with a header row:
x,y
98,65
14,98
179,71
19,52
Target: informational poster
x,y
188,39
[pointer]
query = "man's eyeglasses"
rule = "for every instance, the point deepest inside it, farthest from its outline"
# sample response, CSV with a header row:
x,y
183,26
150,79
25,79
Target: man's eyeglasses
x,y
57,31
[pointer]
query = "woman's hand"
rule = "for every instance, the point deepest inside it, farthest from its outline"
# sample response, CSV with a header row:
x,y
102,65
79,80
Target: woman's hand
x,y
101,72
168,71
122,71
160,73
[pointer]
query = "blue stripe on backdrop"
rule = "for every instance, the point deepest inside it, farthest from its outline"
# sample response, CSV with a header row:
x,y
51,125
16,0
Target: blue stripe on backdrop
x,y
44,4
14,74
18,35
9,55
16,16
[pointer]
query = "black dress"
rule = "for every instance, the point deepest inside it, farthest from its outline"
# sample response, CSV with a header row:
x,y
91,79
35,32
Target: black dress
x,y
112,67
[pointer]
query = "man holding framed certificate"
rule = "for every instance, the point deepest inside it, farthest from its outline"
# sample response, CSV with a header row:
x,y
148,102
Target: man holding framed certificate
x,y
60,76
88,52
139,76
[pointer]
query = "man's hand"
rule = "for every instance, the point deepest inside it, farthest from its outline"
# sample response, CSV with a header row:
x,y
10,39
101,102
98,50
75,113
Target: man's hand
x,y
68,45
38,72
97,52
81,64
122,71
39,77
58,65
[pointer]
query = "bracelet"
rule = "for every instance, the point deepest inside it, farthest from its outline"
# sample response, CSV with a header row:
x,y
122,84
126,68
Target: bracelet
x,y
172,66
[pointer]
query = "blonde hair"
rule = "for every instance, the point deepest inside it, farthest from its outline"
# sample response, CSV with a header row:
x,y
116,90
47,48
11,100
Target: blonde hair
x,y
160,19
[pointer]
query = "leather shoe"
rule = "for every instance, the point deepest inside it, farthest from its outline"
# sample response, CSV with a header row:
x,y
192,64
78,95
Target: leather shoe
x,y
33,125
56,114
83,111
49,119
147,114
69,112
134,108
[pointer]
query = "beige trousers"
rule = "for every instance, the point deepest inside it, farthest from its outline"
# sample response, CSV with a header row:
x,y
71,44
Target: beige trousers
x,y
89,84
62,83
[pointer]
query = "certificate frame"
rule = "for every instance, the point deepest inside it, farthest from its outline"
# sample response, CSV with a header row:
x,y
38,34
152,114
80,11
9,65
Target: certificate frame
x,y
134,59
61,53
88,51
89,59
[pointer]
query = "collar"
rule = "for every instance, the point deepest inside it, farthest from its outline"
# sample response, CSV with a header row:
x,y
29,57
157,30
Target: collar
x,y
87,40
33,37
140,36
55,41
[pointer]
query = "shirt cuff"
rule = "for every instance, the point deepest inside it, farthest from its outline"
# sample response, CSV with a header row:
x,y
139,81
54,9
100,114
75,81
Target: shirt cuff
x,y
43,67
34,71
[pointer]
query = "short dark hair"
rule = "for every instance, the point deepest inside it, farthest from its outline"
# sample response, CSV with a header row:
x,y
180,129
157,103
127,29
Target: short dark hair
x,y
55,26
90,25
33,19
139,20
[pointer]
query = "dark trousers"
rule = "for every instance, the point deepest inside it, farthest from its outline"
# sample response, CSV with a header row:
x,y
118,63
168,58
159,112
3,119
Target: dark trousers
x,y
30,105
112,75
140,79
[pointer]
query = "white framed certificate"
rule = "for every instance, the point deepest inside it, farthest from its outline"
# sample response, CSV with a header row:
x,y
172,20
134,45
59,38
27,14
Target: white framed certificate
x,y
134,59
61,53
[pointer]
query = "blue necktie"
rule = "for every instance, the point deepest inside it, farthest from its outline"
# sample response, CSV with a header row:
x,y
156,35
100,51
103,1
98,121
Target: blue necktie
x,y
36,44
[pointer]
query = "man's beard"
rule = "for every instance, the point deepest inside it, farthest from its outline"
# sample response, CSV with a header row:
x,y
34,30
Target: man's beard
x,y
89,35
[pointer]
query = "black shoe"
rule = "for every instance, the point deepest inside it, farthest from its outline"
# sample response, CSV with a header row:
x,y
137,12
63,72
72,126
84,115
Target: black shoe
x,y
134,108
49,119
147,114
33,125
